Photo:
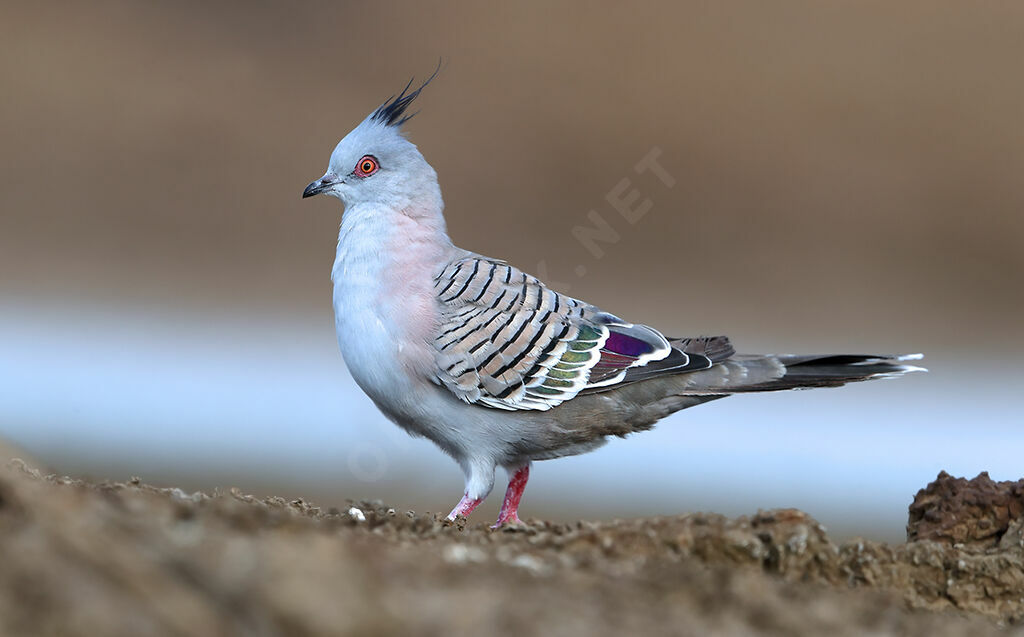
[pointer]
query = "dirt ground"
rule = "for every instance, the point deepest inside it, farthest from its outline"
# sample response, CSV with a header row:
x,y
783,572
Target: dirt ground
x,y
132,559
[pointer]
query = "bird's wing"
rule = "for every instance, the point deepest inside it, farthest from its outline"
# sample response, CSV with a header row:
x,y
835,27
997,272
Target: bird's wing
x,y
506,341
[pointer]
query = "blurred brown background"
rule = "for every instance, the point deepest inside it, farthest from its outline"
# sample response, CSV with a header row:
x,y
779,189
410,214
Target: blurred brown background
x,y
848,174
848,177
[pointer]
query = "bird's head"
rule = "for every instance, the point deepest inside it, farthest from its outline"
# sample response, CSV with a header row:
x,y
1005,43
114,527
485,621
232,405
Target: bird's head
x,y
376,164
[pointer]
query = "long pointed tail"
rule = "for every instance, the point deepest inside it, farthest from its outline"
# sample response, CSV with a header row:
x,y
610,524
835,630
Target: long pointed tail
x,y
654,393
722,372
827,370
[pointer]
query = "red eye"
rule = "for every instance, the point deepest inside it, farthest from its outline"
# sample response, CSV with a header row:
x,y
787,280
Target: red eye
x,y
366,166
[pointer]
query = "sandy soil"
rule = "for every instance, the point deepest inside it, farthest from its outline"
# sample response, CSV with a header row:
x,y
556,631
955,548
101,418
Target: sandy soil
x,y
132,559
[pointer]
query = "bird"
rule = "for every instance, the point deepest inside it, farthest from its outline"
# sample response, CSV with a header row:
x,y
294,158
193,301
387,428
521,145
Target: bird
x,y
485,360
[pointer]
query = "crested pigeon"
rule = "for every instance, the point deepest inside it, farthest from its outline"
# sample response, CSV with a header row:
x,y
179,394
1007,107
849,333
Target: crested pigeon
x,y
486,361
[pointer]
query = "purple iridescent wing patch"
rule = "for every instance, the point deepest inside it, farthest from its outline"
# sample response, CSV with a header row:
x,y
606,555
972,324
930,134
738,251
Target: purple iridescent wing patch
x,y
623,350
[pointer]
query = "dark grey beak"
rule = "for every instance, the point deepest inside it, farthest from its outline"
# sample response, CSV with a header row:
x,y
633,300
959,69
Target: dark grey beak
x,y
317,187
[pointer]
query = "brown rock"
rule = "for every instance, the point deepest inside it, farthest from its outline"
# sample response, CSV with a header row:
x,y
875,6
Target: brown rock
x,y
976,513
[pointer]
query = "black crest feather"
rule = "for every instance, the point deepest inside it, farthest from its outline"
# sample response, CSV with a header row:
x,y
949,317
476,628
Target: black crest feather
x,y
392,112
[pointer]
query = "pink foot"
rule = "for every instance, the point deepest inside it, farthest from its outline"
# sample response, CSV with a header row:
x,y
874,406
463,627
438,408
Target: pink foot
x,y
464,507
510,505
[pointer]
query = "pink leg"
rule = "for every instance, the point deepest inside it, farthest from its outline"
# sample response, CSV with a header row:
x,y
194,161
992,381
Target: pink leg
x,y
464,507
510,505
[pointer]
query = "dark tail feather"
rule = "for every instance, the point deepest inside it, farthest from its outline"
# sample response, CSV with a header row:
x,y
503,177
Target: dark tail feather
x,y
715,348
833,370
655,397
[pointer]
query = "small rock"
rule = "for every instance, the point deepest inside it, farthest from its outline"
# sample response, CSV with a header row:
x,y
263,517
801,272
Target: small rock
x,y
976,513
463,554
530,563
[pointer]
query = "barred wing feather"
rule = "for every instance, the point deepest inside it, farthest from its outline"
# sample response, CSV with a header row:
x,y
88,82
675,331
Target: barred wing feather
x,y
508,342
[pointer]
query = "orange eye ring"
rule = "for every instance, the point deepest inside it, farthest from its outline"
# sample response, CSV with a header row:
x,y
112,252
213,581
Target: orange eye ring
x,y
366,166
